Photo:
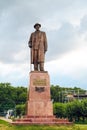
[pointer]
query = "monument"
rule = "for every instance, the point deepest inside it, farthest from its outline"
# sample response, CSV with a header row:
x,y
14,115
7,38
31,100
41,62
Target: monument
x,y
39,104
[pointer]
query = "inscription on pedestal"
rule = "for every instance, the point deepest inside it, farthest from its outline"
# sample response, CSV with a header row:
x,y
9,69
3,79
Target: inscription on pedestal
x,y
39,82
40,89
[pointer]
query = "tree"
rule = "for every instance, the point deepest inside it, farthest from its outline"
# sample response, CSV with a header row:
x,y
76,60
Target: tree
x,y
11,96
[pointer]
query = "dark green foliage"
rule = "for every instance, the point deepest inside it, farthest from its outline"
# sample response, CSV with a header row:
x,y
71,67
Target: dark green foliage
x,y
59,109
20,110
74,111
11,96
21,95
69,111
84,109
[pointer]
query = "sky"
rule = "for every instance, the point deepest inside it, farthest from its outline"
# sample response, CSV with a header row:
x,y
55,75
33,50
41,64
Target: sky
x,y
65,24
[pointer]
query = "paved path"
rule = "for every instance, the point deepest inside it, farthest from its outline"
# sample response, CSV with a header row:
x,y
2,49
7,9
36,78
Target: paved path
x,y
8,120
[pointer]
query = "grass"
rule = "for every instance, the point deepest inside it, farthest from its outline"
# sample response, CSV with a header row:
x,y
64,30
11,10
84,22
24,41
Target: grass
x,y
7,126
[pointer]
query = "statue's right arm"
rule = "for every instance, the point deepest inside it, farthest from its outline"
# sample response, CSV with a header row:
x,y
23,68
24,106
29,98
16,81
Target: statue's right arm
x,y
30,42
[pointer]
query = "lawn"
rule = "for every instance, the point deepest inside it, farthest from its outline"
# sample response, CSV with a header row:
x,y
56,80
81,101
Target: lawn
x,y
7,126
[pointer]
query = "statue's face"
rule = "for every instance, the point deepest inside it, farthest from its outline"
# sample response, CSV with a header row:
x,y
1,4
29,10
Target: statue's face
x,y
37,27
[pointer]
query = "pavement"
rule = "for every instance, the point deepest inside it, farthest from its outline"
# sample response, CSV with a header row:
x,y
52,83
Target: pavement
x,y
5,119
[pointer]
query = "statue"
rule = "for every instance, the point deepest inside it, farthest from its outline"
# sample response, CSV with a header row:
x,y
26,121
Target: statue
x,y
38,46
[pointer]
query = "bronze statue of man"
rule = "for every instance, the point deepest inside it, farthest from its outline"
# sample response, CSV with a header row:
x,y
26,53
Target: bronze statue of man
x,y
38,45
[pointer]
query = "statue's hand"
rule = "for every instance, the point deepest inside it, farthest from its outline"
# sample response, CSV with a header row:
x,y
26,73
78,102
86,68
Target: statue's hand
x,y
44,51
30,46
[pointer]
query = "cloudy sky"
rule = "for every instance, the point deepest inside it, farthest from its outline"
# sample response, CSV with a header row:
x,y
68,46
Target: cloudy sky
x,y
65,24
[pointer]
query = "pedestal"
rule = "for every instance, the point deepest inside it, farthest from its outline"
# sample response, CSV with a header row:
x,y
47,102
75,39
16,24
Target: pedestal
x,y
39,100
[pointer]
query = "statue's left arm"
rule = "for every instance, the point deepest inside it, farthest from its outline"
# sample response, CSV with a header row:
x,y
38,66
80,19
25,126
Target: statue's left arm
x,y
45,42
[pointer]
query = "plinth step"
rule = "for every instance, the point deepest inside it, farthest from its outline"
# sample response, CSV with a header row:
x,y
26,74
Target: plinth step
x,y
43,121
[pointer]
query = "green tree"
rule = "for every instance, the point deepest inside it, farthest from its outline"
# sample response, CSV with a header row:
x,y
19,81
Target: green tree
x,y
11,96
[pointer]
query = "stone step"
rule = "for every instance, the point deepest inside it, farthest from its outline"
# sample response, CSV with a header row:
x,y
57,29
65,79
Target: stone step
x,y
41,121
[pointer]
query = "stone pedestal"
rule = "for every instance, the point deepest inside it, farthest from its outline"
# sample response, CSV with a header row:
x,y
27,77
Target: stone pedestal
x,y
39,104
39,101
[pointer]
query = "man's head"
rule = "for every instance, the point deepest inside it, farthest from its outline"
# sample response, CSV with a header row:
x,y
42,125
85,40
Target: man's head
x,y
37,26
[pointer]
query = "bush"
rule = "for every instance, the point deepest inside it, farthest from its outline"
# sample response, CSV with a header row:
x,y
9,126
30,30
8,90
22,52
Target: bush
x,y
59,109
20,110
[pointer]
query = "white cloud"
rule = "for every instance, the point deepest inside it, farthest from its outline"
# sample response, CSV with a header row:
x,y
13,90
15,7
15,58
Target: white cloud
x,y
72,64
17,74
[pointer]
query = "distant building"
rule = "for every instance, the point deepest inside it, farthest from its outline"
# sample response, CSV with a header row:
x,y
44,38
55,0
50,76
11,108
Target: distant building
x,y
71,97
80,96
